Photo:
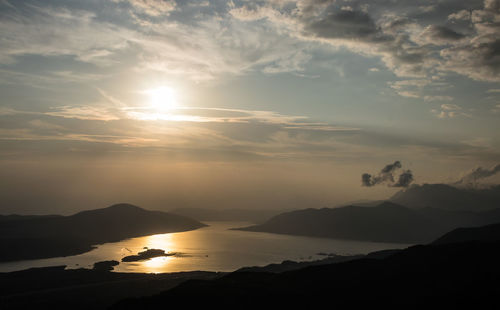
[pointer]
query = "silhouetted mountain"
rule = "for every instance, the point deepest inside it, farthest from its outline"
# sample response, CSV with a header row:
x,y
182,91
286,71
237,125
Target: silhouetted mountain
x,y
42,237
235,215
291,265
484,233
387,222
57,288
449,197
445,276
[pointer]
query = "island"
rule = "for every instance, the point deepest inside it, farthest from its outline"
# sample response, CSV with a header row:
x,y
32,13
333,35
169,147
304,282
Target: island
x,y
145,255
107,265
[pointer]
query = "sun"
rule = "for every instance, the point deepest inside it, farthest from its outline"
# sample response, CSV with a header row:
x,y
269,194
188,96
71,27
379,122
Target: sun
x,y
163,99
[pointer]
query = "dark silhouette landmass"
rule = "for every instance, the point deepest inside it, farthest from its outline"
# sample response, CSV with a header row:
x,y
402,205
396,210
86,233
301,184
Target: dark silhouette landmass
x,y
60,288
17,217
449,197
107,265
289,265
439,275
484,233
386,222
145,255
234,215
448,276
53,236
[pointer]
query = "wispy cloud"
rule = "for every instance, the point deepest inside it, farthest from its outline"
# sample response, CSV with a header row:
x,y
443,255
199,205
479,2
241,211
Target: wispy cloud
x,y
449,110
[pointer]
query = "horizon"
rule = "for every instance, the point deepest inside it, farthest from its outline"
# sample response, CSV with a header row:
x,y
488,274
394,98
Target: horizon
x,y
273,104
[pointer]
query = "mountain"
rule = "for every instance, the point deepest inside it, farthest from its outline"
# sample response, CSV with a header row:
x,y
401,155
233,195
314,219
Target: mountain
x,y
484,233
52,236
386,222
235,215
59,288
463,276
449,197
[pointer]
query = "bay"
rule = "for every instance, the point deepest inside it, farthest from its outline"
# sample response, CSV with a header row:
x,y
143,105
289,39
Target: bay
x,y
212,248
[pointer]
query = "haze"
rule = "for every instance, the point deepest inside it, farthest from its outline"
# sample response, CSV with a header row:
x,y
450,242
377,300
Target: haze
x,y
238,104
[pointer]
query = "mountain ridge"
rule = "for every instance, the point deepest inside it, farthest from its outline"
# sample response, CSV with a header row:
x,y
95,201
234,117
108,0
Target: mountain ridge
x,y
449,197
386,222
44,237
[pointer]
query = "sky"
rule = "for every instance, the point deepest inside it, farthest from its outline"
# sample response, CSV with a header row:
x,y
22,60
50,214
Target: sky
x,y
240,104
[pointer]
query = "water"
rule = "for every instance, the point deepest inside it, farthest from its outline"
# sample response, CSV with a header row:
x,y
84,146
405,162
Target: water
x,y
212,248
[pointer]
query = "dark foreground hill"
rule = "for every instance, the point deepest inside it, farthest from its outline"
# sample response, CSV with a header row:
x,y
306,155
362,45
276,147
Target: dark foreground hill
x,y
52,236
387,222
484,233
57,288
448,276
449,197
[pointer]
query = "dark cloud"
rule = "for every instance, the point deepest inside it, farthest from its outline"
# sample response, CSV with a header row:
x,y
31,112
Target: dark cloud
x,y
344,24
478,60
441,35
386,176
391,167
387,29
472,178
492,5
404,179
347,24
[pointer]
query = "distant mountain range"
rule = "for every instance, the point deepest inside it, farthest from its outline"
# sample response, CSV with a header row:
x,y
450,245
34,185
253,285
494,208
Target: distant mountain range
x,y
449,197
386,222
30,237
236,215
458,270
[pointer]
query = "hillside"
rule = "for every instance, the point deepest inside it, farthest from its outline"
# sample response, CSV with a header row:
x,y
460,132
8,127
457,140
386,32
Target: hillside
x,y
43,237
484,233
386,222
449,197
460,276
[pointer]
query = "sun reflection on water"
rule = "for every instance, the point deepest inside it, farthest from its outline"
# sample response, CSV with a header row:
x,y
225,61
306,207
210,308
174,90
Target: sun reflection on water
x,y
161,241
157,264
160,264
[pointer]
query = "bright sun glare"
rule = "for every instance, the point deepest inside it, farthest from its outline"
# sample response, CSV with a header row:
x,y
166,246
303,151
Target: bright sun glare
x,y
163,99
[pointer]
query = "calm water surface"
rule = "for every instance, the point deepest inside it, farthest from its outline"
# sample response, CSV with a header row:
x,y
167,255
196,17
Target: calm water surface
x,y
213,248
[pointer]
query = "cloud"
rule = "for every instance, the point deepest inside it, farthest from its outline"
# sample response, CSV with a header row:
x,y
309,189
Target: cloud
x,y
84,113
152,7
437,98
449,110
412,40
52,31
386,176
472,178
404,179
440,35
345,24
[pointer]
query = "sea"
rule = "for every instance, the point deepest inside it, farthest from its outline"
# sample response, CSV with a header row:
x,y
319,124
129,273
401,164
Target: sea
x,y
212,248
